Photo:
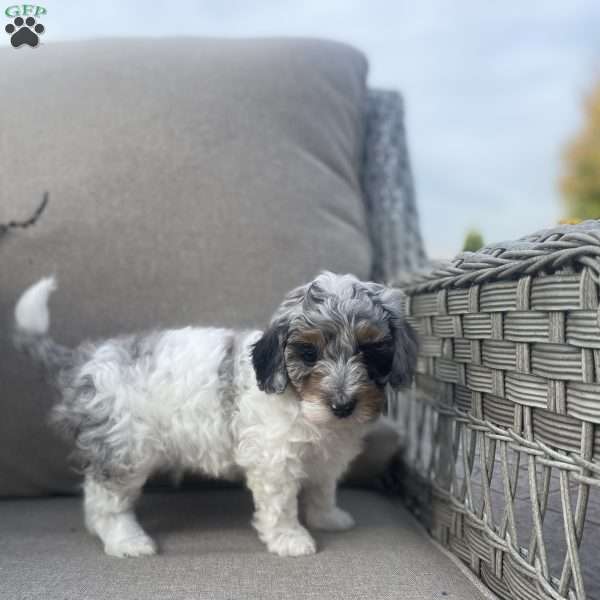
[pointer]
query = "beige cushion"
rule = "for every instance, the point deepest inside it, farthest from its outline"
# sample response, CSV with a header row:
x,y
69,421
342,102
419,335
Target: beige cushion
x,y
210,552
190,181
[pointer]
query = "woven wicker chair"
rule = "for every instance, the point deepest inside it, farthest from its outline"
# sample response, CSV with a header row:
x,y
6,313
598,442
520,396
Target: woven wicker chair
x,y
503,442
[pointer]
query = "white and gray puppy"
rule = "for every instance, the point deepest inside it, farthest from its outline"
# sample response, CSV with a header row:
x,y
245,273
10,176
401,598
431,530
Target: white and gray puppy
x,y
286,408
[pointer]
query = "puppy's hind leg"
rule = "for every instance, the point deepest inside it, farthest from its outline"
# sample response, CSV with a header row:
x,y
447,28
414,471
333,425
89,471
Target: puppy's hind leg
x,y
109,514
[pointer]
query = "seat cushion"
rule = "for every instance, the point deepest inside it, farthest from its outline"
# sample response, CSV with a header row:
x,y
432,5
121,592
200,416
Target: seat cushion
x,y
208,550
190,180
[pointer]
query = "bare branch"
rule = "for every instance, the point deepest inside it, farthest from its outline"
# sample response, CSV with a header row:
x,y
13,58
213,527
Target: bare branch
x,y
5,227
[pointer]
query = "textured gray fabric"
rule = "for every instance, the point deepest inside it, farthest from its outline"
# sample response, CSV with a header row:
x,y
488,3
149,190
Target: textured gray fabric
x,y
190,181
389,192
210,552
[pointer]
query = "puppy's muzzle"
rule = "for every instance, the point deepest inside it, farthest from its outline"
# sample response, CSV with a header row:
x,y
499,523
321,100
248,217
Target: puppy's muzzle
x,y
343,407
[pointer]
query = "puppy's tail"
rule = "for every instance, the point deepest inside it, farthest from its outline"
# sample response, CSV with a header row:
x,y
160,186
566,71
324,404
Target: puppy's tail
x,y
32,321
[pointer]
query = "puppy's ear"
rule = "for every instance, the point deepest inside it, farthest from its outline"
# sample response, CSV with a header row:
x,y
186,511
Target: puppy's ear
x,y
405,338
268,356
405,354
269,361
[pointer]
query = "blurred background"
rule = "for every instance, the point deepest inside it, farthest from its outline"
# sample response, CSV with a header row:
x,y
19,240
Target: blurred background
x,y
503,100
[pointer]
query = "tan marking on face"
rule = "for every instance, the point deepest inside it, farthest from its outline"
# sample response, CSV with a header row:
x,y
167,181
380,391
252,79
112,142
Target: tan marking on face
x,y
311,387
367,333
309,336
313,403
370,402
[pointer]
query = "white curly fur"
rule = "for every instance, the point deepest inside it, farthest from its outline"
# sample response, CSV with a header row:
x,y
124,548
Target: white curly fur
x,y
137,406
171,413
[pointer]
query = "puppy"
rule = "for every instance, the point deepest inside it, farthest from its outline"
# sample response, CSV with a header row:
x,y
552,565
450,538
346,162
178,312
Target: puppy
x,y
284,408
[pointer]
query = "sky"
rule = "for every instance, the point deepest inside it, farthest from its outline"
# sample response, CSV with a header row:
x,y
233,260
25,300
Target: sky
x,y
493,91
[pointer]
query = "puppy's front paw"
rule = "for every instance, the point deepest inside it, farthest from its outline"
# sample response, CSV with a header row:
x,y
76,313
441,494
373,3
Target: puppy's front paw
x,y
292,542
140,545
335,519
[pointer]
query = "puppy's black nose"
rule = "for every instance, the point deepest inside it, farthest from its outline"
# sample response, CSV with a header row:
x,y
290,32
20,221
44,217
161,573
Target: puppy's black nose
x,y
343,408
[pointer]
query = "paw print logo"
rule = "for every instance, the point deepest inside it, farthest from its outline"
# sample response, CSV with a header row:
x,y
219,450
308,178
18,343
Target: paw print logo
x,y
24,32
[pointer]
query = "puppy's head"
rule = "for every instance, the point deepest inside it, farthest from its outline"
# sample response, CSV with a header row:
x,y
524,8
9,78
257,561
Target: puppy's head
x,y
337,341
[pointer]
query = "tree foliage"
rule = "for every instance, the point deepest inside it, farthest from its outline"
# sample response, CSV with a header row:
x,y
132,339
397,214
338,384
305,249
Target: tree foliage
x,y
473,241
580,183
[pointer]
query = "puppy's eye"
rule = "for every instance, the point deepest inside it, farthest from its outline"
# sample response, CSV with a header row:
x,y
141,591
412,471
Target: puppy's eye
x,y
309,353
378,358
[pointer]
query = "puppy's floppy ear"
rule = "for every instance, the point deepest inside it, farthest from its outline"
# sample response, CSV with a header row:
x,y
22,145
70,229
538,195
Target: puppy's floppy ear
x,y
405,338
269,361
268,356
405,354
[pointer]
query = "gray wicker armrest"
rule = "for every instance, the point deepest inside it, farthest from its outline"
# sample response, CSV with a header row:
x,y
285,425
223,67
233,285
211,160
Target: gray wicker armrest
x,y
505,424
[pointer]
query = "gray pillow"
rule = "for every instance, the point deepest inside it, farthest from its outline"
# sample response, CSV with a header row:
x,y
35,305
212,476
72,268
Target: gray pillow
x,y
191,181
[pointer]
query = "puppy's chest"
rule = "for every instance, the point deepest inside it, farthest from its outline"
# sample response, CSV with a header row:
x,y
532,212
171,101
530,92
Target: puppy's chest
x,y
331,452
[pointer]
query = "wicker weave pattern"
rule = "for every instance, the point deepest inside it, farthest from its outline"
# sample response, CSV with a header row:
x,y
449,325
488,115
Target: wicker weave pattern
x,y
545,251
508,394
